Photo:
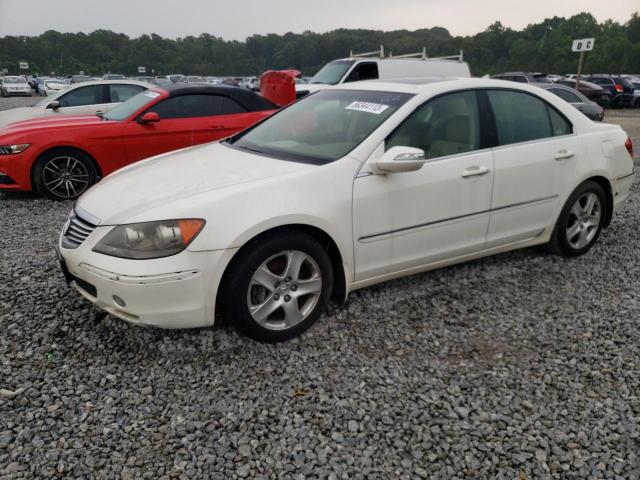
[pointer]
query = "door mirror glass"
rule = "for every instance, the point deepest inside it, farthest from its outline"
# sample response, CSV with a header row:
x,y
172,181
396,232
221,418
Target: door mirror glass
x,y
149,117
401,159
54,105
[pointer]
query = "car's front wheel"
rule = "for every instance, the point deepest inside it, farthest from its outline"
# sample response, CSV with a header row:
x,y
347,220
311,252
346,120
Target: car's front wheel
x,y
580,221
278,287
64,174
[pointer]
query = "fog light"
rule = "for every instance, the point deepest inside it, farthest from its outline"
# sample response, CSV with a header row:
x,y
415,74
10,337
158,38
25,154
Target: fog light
x,y
119,301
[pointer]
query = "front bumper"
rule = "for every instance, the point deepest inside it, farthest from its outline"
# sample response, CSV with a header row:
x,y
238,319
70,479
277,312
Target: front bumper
x,y
172,292
15,171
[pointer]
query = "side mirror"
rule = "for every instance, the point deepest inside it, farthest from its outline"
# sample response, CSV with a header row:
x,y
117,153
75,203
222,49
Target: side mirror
x,y
149,117
401,159
54,105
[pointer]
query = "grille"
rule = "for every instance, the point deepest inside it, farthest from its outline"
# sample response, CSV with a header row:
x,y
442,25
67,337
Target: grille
x,y
77,231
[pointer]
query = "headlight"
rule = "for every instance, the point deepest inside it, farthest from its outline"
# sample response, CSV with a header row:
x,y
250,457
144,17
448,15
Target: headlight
x,y
141,241
10,149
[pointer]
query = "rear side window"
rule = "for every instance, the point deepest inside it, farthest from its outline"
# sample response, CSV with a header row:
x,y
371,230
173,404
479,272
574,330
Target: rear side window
x,y
447,125
187,106
566,95
123,92
89,95
521,117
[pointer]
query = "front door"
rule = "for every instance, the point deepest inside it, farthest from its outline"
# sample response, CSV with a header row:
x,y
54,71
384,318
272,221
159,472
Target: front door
x,y
87,100
410,219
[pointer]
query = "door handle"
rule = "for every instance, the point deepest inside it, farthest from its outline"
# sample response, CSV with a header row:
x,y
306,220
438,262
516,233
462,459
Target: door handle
x,y
563,154
475,171
216,127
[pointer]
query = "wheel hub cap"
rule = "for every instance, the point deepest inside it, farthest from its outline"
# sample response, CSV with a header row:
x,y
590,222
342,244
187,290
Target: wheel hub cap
x,y
284,290
584,220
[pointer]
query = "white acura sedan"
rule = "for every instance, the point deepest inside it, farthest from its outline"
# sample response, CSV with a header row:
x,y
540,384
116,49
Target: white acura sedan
x,y
348,187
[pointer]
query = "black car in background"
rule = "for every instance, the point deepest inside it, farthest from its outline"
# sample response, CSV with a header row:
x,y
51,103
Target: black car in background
x,y
576,99
592,91
621,89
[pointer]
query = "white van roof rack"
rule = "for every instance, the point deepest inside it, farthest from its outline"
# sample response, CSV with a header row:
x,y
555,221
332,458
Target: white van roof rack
x,y
379,53
421,55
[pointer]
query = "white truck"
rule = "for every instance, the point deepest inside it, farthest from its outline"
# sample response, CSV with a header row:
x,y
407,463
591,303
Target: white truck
x,y
374,65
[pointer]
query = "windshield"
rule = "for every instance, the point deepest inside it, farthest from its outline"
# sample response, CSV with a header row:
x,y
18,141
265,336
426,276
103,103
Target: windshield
x,y
129,107
322,127
14,80
332,72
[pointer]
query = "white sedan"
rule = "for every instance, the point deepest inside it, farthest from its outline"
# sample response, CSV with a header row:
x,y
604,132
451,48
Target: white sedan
x,y
87,98
348,187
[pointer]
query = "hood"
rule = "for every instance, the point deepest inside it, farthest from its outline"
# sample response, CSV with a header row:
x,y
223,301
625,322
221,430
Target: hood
x,y
18,114
172,176
63,121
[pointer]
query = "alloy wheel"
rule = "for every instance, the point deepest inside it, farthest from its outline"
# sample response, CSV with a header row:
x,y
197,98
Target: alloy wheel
x,y
284,290
65,177
584,220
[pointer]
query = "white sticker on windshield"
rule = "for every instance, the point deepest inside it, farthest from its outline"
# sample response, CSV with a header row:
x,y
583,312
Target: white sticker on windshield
x,y
376,108
152,94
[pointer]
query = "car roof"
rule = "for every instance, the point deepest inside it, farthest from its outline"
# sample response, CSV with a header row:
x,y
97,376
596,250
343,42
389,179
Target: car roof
x,y
426,84
245,97
115,82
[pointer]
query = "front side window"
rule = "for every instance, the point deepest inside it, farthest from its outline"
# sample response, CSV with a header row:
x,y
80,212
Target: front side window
x,y
332,72
566,95
522,117
188,106
89,95
363,71
447,125
322,127
123,92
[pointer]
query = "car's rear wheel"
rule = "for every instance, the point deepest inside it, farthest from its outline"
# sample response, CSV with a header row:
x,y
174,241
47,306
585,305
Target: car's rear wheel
x,y
580,221
64,174
278,287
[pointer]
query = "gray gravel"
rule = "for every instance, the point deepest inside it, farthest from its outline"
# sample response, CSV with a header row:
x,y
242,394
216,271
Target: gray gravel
x,y
519,366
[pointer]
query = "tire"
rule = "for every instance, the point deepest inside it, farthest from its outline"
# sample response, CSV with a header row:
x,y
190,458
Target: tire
x,y
262,290
580,222
64,174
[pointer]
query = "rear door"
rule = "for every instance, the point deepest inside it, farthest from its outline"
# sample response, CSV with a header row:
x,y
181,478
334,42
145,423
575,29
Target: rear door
x,y
535,156
86,100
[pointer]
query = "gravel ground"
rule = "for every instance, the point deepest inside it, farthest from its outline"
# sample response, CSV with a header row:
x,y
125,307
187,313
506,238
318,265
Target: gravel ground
x,y
518,366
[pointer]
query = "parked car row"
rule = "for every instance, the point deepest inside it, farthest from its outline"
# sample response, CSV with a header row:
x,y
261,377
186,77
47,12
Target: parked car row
x,y
290,207
616,91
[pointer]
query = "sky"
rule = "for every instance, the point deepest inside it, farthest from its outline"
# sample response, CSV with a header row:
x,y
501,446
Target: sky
x,y
238,19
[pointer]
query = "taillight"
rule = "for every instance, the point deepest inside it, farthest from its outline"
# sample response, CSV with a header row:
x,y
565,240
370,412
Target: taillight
x,y
629,145
619,88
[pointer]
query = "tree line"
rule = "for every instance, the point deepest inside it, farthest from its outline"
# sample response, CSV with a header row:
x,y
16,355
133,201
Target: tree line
x,y
540,47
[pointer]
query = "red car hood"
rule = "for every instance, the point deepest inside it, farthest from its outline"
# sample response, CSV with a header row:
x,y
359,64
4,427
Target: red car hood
x,y
62,121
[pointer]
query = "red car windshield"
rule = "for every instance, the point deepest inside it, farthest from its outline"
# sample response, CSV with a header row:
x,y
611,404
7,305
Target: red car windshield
x,y
135,103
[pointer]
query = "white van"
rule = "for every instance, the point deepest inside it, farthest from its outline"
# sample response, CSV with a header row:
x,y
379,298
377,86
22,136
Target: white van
x,y
363,67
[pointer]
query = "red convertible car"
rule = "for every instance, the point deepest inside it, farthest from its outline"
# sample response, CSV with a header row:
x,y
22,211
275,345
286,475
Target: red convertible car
x,y
62,157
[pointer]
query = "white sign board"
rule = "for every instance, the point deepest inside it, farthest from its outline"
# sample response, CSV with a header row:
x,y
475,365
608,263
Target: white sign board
x,y
81,72
23,65
142,69
583,45
5,70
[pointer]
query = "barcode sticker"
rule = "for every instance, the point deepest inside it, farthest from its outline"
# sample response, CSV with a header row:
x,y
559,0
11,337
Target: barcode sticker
x,y
375,108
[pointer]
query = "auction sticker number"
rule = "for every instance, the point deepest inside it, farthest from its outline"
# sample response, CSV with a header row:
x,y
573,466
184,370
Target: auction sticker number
x,y
152,94
376,108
